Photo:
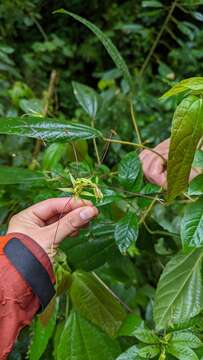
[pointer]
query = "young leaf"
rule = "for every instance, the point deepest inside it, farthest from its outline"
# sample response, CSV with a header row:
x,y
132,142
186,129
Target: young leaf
x,y
185,338
196,186
130,172
126,231
109,46
41,335
146,336
87,98
130,354
17,175
182,352
95,302
191,84
192,225
47,129
179,293
185,135
82,340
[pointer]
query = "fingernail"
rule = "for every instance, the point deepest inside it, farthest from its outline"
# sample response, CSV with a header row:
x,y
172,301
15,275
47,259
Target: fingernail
x,y
87,213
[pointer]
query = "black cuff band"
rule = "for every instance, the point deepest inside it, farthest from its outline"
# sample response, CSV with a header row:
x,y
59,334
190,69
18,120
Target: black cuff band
x,y
31,270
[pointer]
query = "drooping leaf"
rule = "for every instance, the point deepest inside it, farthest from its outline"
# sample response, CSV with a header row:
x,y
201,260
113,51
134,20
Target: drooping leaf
x,y
130,172
16,175
185,338
185,135
52,155
190,84
126,232
192,225
82,340
47,129
109,46
42,334
96,303
91,250
182,352
179,293
196,186
87,98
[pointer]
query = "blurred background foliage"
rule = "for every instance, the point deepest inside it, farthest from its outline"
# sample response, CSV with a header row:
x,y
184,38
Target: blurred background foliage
x,y
162,43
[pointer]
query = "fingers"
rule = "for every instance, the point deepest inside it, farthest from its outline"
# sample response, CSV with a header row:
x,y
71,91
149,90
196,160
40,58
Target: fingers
x,y
71,223
51,208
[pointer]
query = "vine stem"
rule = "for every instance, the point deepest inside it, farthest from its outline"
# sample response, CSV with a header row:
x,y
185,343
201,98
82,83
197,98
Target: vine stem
x,y
135,145
135,122
168,17
50,92
95,145
143,217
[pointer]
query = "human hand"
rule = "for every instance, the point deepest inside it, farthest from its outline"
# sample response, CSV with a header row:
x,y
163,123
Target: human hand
x,y
49,222
154,167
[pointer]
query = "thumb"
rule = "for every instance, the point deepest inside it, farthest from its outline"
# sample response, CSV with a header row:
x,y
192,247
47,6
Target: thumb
x,y
72,222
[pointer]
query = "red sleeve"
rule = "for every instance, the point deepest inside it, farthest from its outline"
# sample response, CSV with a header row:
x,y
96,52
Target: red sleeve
x,y
18,304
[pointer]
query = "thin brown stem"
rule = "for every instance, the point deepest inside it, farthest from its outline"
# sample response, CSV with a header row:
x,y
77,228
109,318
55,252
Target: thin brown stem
x,y
135,123
95,145
167,19
135,145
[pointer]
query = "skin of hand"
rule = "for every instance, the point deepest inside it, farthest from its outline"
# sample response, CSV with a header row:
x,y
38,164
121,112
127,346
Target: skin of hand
x,y
154,167
49,222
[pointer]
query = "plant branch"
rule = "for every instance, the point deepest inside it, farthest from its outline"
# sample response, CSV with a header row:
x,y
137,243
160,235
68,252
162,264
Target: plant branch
x,y
168,17
135,123
95,144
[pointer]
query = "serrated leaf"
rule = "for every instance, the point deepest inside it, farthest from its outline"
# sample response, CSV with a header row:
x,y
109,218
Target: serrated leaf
x,y
109,46
87,98
182,352
95,302
126,232
185,135
185,338
47,129
130,172
146,336
17,175
196,186
149,352
41,335
191,84
179,292
192,225
82,340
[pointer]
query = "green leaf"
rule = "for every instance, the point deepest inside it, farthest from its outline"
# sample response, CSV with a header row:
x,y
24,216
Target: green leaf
x,y
91,250
196,186
130,172
82,340
126,232
129,325
149,352
130,354
185,135
192,225
179,293
190,84
47,129
87,98
17,175
33,107
151,3
95,302
185,338
182,352
146,336
41,335
198,159
109,46
52,155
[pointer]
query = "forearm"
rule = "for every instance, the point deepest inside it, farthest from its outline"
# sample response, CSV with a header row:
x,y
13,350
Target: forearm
x,y
18,302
